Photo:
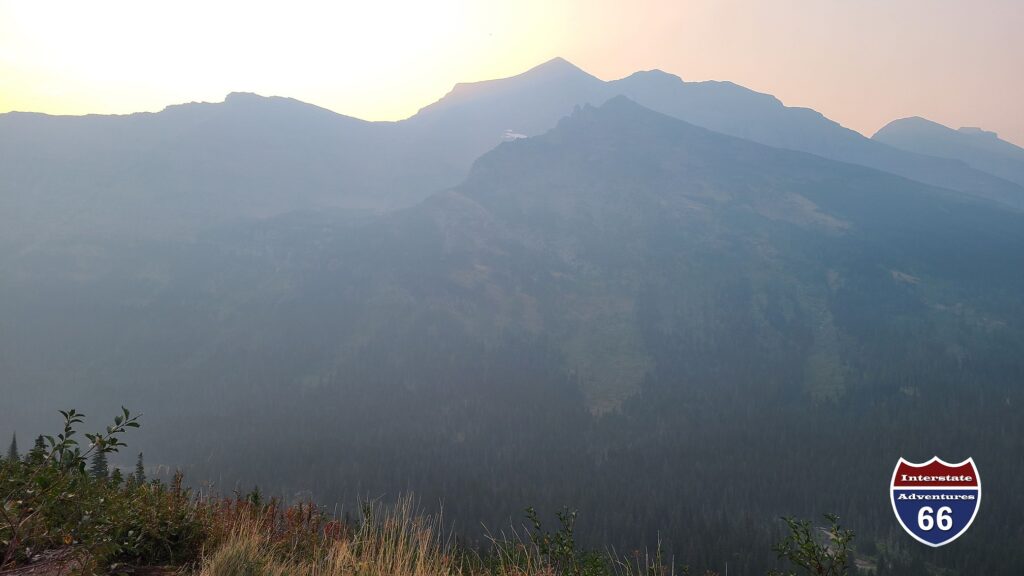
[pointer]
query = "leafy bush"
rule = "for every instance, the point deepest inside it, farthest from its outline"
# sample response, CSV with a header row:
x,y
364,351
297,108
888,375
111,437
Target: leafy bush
x,y
558,549
51,502
801,549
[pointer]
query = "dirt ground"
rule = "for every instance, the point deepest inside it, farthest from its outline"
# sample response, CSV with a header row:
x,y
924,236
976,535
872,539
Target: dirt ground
x,y
60,563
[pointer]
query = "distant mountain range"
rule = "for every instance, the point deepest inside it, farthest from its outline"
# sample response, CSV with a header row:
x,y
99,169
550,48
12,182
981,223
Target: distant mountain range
x,y
531,102
541,290
193,165
620,212
583,235
975,147
609,197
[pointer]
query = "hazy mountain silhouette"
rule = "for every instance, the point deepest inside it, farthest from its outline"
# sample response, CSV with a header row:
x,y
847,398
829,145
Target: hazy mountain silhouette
x,y
980,149
473,117
694,288
628,199
577,234
738,111
531,103
196,165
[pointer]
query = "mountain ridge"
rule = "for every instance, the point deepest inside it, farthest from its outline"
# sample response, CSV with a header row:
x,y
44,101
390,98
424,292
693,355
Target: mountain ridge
x,y
444,137
974,146
251,156
625,291
557,68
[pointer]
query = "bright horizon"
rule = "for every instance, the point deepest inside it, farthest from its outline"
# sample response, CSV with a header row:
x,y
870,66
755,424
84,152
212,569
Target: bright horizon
x,y
862,64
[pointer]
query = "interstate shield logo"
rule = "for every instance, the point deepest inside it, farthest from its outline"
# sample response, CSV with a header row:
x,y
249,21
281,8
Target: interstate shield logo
x,y
936,501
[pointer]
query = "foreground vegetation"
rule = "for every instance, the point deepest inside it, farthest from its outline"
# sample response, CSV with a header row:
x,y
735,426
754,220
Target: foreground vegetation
x,y
65,512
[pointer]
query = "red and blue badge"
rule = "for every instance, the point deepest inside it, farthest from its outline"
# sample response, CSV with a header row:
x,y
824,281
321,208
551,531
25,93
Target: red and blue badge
x,y
936,501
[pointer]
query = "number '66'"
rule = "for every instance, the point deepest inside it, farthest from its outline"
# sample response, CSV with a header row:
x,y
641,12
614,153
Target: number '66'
x,y
942,518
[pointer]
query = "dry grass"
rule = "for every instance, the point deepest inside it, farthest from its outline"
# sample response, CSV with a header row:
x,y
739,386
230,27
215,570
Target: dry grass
x,y
391,541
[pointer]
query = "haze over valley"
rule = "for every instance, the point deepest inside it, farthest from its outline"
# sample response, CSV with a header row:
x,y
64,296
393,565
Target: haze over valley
x,y
683,308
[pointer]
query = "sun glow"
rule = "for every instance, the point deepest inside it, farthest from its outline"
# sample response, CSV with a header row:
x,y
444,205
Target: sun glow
x,y
382,59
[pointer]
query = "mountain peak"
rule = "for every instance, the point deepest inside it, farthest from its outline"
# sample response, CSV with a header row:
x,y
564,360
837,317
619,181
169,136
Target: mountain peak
x,y
244,97
624,104
915,121
557,78
252,102
918,126
557,68
624,118
615,107
913,126
249,99
978,148
654,76
556,64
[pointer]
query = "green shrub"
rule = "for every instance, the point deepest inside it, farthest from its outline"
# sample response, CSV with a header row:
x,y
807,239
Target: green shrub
x,y
801,549
51,502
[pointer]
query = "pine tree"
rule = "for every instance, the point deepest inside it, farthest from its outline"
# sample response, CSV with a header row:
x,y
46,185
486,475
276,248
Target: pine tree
x,y
115,477
12,452
38,451
140,471
99,468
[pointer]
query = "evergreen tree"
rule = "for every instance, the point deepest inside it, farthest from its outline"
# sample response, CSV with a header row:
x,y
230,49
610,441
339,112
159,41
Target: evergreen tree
x,y
140,471
12,452
116,478
99,468
38,451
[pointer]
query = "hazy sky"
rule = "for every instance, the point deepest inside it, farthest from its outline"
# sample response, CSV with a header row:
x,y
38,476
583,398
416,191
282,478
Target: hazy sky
x,y
860,62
